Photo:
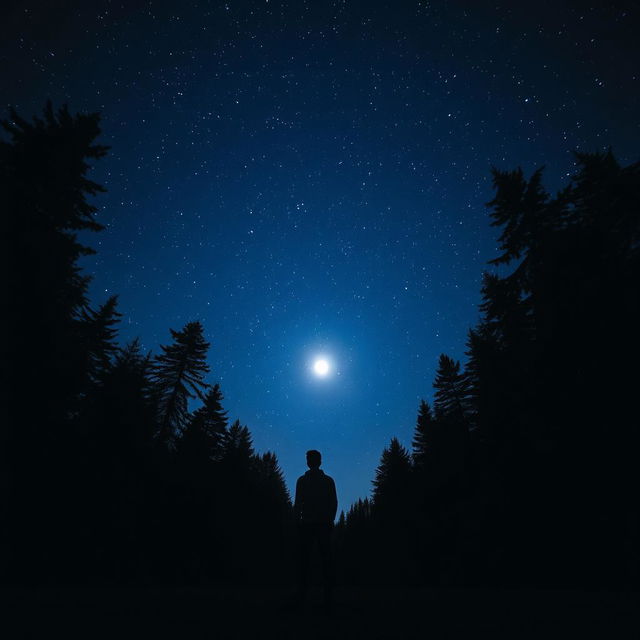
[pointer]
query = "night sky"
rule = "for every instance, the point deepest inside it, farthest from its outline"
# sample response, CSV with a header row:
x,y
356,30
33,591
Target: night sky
x,y
309,178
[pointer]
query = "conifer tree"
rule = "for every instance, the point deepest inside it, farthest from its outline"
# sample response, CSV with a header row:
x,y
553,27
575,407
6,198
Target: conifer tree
x,y
393,508
206,432
238,451
100,336
271,479
423,436
178,376
359,513
357,543
392,480
119,409
43,167
540,352
267,501
111,461
506,312
480,371
44,186
451,391
519,208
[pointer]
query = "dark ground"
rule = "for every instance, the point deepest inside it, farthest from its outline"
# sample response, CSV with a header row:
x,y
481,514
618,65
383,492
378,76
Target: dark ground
x,y
359,613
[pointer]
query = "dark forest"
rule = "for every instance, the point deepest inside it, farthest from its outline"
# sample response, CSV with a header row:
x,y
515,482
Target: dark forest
x,y
121,467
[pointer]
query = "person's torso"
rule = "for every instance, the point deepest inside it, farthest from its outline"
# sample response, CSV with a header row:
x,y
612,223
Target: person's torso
x,y
317,497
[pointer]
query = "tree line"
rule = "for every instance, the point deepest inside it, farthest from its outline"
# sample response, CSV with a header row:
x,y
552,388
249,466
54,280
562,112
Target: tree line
x,y
107,472
522,469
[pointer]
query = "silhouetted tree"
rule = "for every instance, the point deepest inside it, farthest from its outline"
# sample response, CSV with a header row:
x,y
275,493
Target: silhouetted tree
x,y
423,436
112,470
539,354
100,336
271,481
357,545
130,396
178,376
393,509
519,207
273,509
44,187
451,392
392,476
238,447
205,435
43,181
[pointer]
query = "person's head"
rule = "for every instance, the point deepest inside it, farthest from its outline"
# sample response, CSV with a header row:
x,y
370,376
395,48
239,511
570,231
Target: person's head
x,y
314,459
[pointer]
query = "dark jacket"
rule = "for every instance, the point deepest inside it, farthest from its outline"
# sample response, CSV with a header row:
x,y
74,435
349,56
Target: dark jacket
x,y
316,501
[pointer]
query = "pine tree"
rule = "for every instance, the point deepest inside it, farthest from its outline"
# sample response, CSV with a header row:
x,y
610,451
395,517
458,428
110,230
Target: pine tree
x,y
393,476
506,312
540,352
238,451
451,392
206,432
100,337
44,186
519,208
266,500
423,435
481,354
178,376
359,513
357,543
242,501
271,479
393,510
119,410
43,181
111,462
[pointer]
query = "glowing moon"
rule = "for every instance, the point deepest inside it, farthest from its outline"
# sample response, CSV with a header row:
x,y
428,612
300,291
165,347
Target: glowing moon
x,y
321,367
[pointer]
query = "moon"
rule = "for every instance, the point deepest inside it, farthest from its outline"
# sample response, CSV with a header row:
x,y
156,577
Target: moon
x,y
321,367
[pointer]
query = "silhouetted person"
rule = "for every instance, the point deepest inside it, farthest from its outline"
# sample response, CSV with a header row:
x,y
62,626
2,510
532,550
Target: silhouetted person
x,y
314,510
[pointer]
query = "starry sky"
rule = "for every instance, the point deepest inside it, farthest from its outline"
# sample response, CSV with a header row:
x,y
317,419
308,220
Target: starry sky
x,y
310,177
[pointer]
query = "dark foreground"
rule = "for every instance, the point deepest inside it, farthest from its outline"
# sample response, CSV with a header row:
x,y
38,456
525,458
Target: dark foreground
x,y
358,614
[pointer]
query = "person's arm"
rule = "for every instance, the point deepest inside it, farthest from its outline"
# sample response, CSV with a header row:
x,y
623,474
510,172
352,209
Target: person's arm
x,y
333,500
299,499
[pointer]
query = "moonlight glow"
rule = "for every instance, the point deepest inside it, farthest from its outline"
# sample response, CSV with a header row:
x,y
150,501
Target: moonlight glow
x,y
321,367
